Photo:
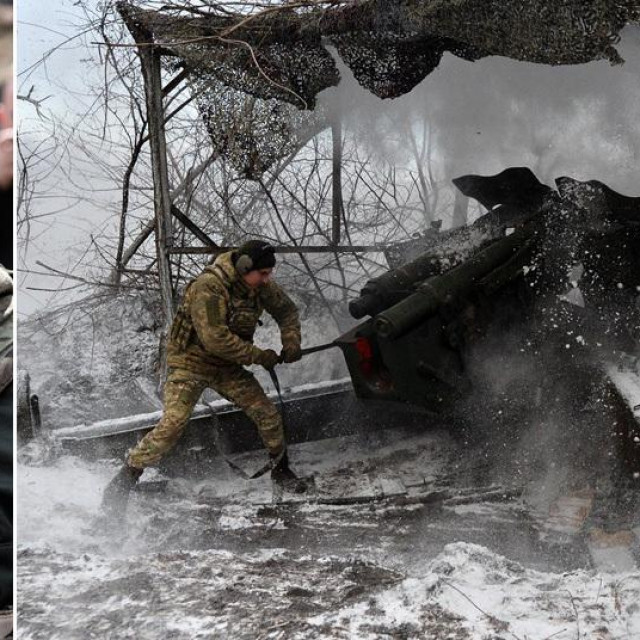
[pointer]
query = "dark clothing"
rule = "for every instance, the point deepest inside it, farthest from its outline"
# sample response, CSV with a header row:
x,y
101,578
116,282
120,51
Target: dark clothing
x,y
6,237
6,440
6,497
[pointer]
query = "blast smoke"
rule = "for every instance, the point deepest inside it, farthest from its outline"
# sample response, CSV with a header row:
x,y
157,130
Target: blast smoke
x,y
485,116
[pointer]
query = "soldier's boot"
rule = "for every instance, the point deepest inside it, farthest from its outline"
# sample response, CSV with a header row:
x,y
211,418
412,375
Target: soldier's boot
x,y
284,477
116,494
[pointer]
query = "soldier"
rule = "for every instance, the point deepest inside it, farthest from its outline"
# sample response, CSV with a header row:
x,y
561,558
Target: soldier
x,y
211,340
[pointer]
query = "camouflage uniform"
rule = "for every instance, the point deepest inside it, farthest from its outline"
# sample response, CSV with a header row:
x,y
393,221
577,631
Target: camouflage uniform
x,y
211,339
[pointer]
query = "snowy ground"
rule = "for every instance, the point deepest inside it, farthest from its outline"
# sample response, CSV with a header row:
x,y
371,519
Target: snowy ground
x,y
218,559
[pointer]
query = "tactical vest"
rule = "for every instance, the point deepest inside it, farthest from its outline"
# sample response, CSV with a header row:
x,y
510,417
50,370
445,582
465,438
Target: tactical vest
x,y
243,312
244,308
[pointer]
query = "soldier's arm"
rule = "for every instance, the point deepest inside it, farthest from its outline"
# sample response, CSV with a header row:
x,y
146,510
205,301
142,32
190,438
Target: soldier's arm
x,y
284,311
209,317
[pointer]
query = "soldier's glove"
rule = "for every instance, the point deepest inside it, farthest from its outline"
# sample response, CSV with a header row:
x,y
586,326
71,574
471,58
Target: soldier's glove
x,y
291,353
267,358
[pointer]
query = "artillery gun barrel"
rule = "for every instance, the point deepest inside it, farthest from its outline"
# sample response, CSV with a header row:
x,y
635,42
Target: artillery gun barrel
x,y
444,250
385,290
438,290
365,304
380,292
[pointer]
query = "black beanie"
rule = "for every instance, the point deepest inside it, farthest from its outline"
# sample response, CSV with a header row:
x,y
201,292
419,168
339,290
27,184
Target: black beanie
x,y
262,254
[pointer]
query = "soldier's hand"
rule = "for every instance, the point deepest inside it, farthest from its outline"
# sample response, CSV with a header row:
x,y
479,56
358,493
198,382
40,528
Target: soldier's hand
x,y
291,353
267,358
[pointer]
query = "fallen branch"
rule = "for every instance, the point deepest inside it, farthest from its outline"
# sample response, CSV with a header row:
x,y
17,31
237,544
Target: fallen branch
x,y
575,610
501,624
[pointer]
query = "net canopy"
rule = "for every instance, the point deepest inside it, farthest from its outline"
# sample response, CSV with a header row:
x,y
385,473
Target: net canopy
x,y
274,62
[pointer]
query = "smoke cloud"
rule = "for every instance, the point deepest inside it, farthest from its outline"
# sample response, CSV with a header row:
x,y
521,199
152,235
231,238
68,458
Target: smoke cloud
x,y
484,116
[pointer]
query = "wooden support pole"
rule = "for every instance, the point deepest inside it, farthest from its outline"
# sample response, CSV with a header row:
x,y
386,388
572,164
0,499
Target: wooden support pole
x,y
460,210
150,60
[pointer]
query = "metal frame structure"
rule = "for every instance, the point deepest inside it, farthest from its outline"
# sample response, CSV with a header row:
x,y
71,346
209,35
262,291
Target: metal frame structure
x,y
164,209
410,34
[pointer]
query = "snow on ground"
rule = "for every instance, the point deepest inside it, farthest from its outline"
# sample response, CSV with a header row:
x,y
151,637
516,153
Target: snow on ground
x,y
469,592
214,559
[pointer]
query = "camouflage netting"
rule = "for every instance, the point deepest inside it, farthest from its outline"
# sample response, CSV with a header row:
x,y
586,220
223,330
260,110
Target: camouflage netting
x,y
253,134
389,45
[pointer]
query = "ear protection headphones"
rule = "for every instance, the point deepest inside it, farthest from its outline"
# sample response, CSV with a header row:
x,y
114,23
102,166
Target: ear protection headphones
x,y
244,264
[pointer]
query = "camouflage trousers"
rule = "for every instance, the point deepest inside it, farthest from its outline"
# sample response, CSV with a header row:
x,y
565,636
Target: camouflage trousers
x,y
181,393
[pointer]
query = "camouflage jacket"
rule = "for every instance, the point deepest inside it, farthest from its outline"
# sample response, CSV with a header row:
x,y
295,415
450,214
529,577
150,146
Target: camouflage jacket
x,y
217,318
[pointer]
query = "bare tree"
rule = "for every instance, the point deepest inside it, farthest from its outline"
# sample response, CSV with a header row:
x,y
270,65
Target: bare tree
x,y
296,201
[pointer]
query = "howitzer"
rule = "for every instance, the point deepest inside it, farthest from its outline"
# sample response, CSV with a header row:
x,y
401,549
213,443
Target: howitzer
x,y
428,315
413,351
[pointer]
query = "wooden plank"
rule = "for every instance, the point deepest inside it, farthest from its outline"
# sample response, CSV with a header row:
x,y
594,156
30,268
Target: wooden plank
x,y
568,514
356,489
174,82
390,486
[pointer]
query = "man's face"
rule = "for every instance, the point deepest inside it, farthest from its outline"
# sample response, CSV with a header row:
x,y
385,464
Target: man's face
x,y
257,277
